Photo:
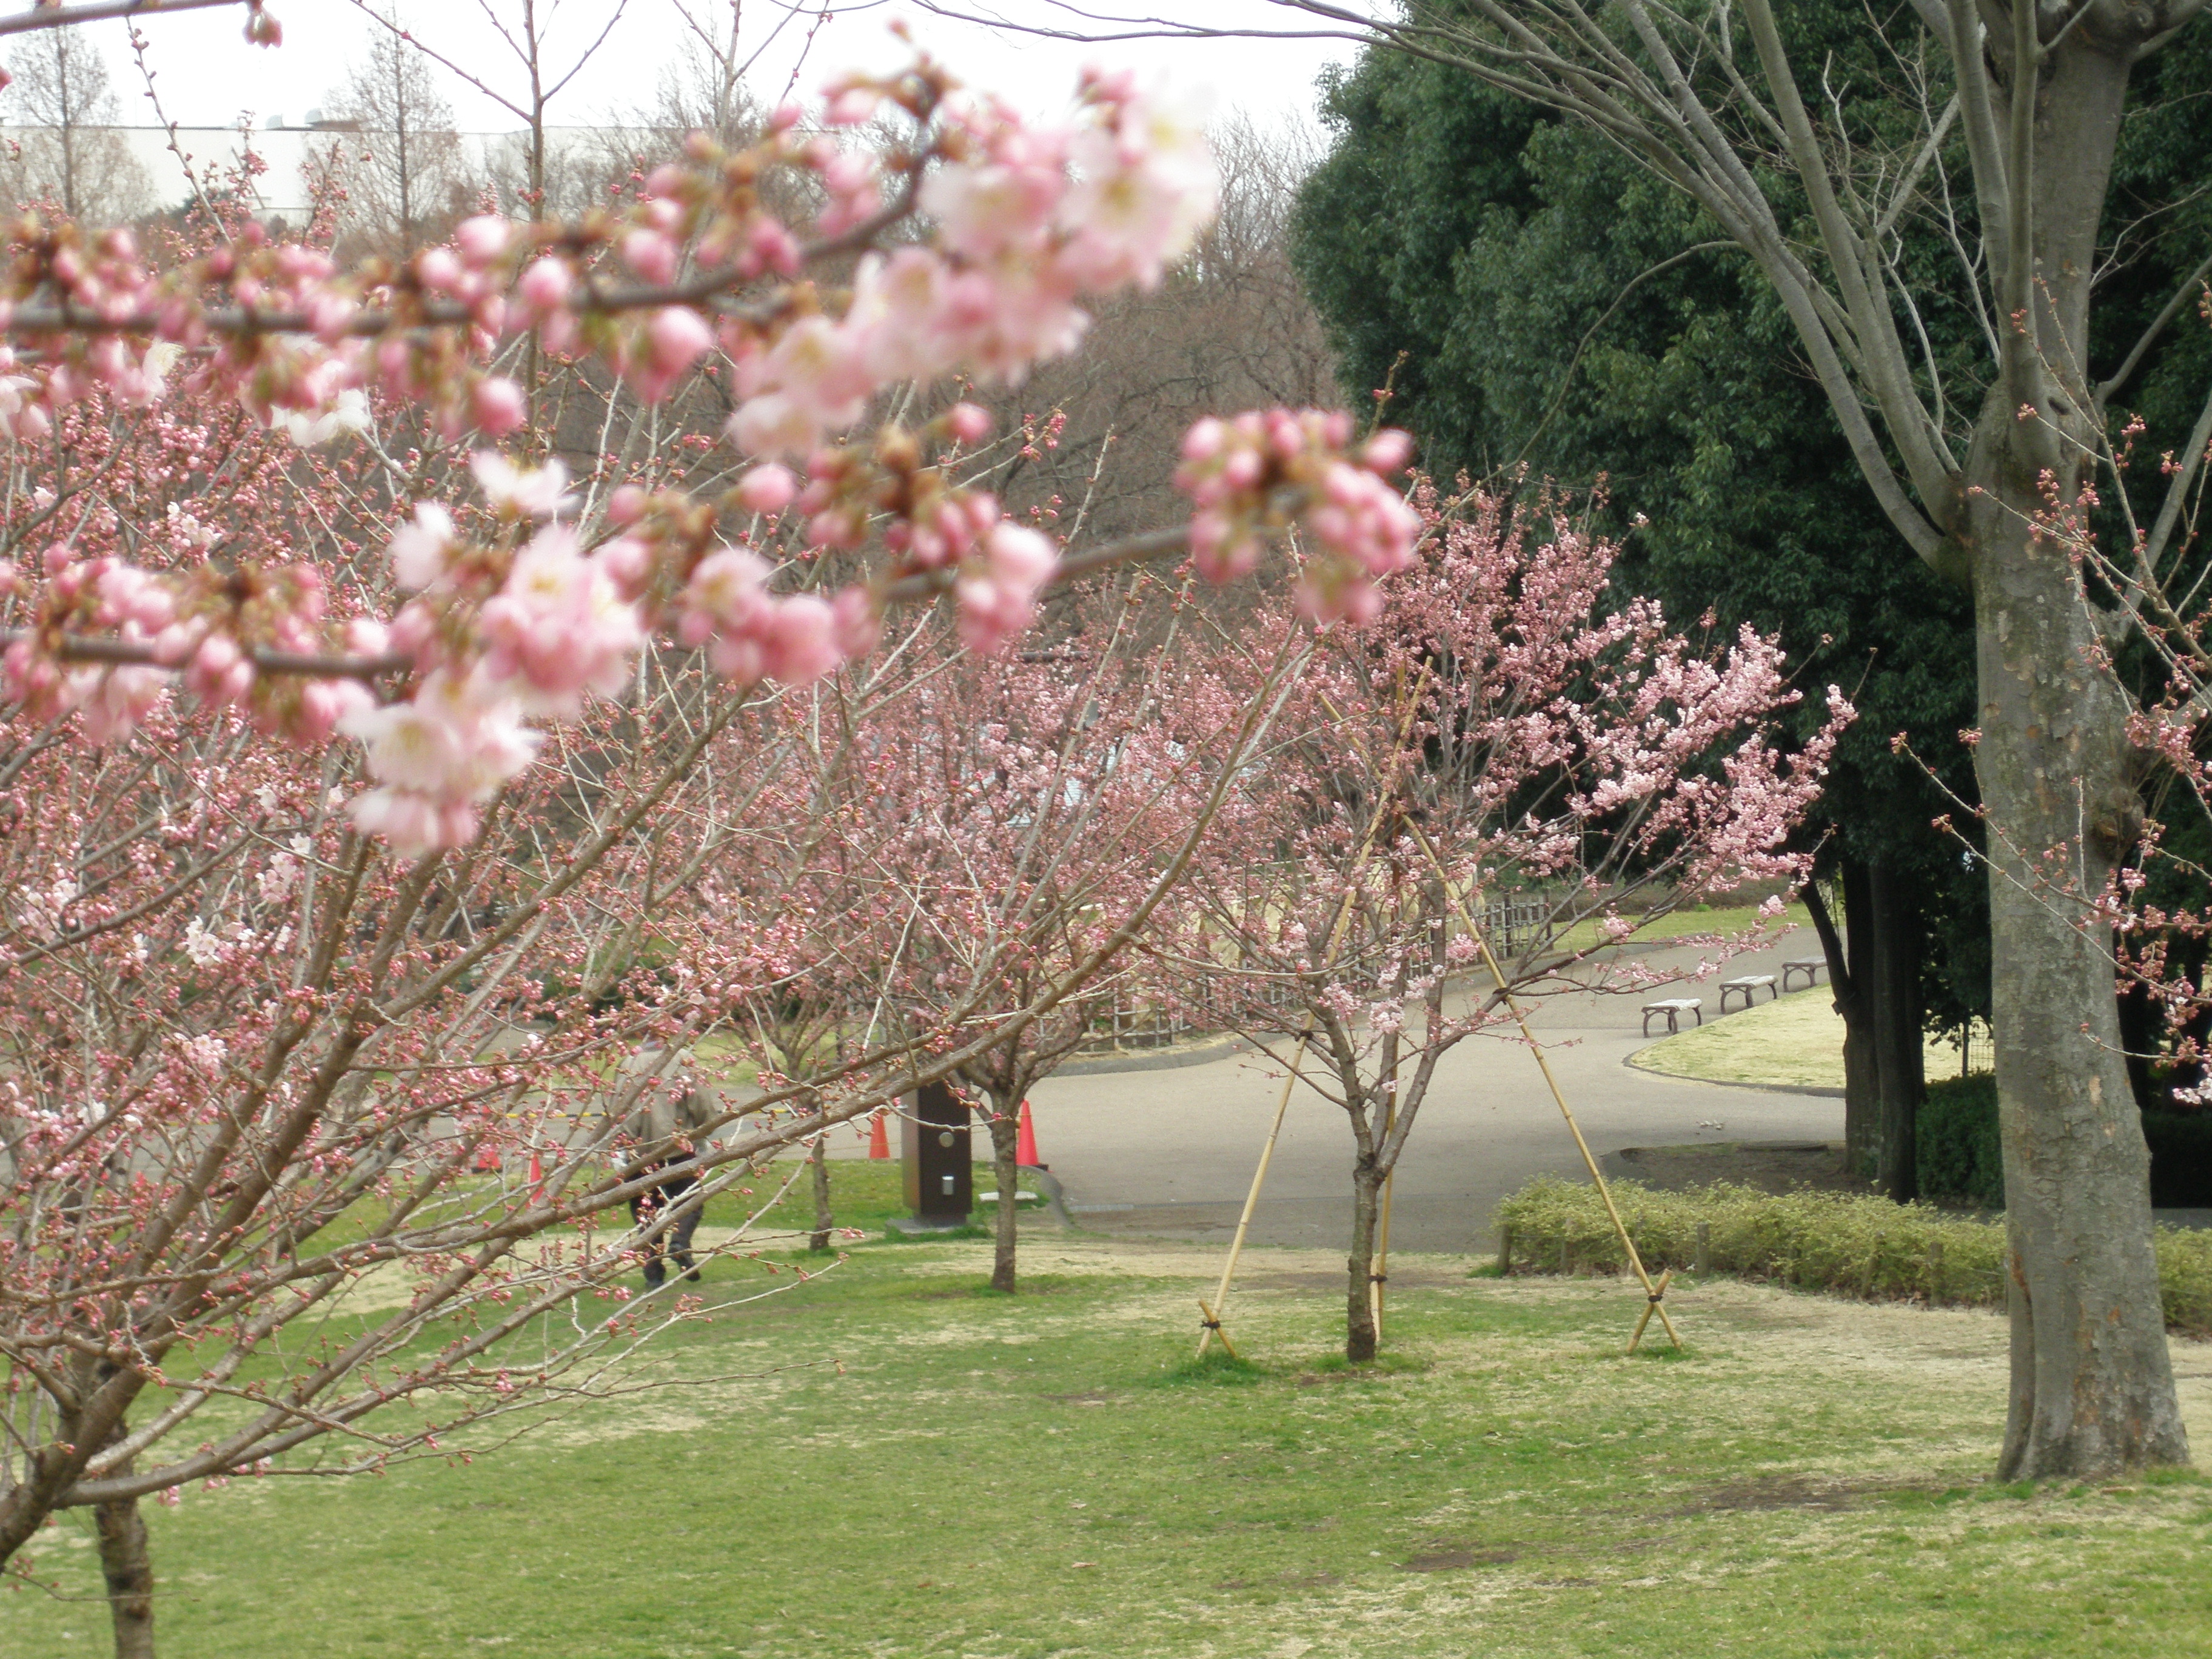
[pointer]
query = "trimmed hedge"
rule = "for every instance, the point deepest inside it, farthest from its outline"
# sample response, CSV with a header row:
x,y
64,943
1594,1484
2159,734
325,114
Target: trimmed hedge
x,y
1845,1244
1957,1145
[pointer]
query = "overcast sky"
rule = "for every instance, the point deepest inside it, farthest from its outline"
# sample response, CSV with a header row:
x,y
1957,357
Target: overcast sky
x,y
206,74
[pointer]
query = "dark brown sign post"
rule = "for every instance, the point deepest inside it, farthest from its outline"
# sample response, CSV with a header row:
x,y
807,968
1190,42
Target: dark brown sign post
x,y
939,1168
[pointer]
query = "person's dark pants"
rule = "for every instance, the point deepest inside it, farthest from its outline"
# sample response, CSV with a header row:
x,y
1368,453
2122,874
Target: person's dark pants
x,y
672,1243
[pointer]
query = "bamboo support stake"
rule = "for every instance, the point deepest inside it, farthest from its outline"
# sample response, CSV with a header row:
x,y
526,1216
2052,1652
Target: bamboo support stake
x,y
1211,1325
1654,1294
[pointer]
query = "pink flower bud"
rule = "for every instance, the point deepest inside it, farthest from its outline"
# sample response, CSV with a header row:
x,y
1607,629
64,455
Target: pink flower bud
x,y
484,238
767,489
969,422
1388,452
546,285
651,255
261,30
679,337
854,624
1204,441
626,506
365,637
497,404
437,270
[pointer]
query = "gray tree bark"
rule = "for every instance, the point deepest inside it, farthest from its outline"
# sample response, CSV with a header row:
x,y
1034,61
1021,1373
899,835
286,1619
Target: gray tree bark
x,y
1005,1130
1359,1333
128,1567
819,1241
2092,1387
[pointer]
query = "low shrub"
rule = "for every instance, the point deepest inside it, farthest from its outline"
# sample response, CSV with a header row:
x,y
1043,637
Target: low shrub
x,y
1846,1244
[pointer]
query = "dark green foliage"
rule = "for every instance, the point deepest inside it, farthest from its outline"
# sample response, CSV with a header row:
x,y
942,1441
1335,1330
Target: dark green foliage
x,y
1960,1162
1958,1151
2180,1158
1558,311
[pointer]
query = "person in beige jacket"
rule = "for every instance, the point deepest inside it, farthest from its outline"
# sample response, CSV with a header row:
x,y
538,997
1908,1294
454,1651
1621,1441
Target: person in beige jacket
x,y
667,1124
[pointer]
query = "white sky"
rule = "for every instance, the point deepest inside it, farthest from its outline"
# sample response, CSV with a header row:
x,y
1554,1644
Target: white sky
x,y
207,76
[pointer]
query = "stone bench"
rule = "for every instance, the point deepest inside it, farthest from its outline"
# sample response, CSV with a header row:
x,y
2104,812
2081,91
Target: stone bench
x,y
1748,985
1809,966
1673,1008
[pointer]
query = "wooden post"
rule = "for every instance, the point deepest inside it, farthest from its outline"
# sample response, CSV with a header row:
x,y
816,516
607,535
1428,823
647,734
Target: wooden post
x,y
1704,1256
1505,1250
1936,1272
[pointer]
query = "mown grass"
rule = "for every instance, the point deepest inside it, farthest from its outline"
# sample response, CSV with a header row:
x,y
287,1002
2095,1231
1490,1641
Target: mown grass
x,y
1795,1041
916,1467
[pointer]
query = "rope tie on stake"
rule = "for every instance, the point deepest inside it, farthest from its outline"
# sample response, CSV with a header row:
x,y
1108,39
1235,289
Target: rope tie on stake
x,y
1655,1291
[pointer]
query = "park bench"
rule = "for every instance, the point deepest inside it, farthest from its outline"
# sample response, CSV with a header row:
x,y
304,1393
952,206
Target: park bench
x,y
1673,1008
1748,985
1809,966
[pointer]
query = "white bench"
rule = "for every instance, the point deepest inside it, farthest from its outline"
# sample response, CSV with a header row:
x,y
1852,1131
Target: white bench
x,y
1673,1008
1809,966
1748,985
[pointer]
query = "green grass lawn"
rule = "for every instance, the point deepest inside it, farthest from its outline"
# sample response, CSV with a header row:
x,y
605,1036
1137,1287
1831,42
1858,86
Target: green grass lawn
x,y
1796,1041
889,1461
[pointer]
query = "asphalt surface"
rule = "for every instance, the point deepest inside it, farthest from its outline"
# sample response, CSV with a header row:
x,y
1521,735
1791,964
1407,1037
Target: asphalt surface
x,y
1170,1152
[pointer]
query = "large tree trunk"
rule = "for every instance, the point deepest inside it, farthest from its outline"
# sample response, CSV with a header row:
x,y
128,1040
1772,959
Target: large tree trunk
x,y
1006,1128
1851,972
2092,1387
1359,1338
1898,1053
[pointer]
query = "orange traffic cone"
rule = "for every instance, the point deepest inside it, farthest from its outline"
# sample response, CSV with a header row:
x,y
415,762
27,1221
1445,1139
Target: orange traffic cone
x,y
1026,1151
879,1135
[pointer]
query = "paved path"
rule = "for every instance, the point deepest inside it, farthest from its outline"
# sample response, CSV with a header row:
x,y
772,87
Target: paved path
x,y
1177,1147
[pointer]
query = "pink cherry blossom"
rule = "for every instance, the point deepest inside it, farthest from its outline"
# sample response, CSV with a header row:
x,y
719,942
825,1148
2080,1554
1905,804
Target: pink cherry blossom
x,y
528,492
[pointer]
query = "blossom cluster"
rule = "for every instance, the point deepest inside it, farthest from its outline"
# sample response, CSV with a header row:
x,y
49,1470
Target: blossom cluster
x,y
1252,476
524,619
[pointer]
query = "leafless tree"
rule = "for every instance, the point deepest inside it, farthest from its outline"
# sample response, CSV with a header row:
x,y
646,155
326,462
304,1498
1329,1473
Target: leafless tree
x,y
67,149
1232,329
399,157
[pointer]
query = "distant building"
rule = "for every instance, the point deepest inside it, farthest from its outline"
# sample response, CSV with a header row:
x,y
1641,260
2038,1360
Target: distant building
x,y
289,151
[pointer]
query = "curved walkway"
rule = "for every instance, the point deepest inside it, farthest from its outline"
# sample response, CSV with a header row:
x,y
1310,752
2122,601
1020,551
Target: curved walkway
x,y
1170,1153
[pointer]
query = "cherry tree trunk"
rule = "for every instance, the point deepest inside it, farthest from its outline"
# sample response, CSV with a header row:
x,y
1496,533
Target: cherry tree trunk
x,y
2091,1388
1005,1130
128,1567
1359,1336
823,1218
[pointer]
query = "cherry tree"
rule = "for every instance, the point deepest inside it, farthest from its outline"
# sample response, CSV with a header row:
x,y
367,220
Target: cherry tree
x,y
1501,726
1027,802
373,794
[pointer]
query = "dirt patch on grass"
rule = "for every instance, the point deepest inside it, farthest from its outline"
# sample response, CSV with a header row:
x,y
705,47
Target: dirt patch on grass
x,y
1771,1167
1781,1491
1455,1560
